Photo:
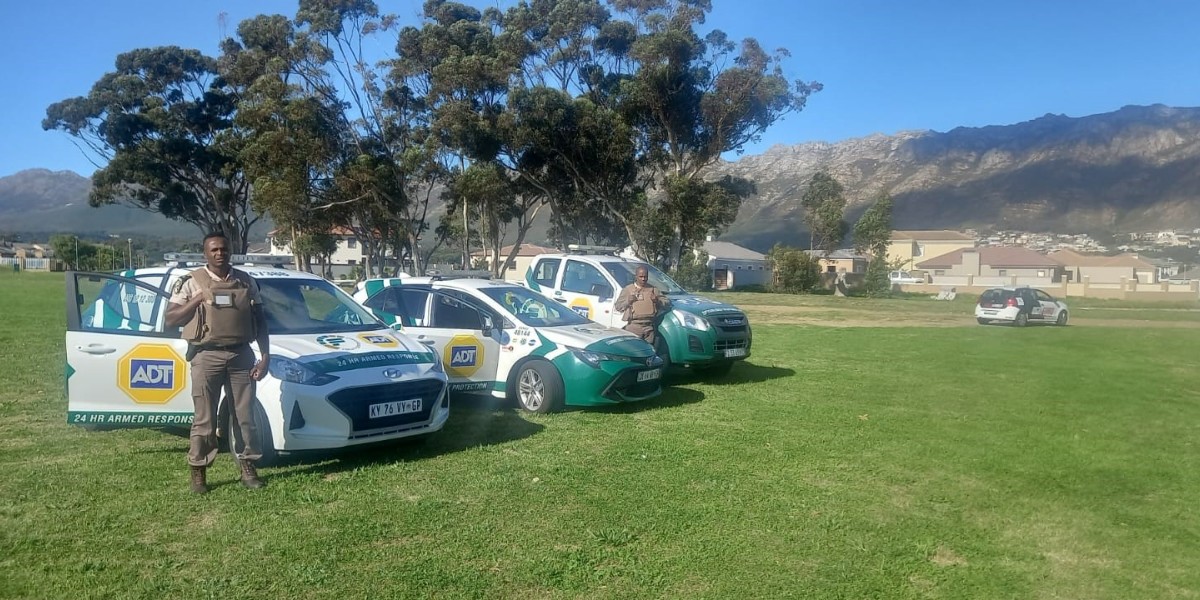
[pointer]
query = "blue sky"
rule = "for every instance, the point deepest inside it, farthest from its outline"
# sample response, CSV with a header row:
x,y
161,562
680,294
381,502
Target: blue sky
x,y
887,65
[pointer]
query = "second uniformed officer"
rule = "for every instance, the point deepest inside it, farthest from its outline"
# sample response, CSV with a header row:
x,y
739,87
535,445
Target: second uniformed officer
x,y
641,304
223,314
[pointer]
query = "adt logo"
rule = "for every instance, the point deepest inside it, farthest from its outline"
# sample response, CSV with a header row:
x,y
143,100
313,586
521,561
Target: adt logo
x,y
463,356
151,374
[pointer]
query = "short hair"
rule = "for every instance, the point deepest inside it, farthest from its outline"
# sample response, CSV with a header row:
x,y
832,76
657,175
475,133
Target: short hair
x,y
215,234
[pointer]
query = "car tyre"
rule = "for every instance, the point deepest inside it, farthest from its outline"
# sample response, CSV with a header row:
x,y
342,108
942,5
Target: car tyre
x,y
1062,319
262,426
538,388
663,351
982,321
1021,320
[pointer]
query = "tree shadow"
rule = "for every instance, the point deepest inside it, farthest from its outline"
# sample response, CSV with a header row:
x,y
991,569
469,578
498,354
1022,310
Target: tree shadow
x,y
670,398
742,372
474,421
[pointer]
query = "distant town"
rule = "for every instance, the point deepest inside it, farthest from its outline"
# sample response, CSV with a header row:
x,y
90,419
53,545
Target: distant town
x,y
1136,241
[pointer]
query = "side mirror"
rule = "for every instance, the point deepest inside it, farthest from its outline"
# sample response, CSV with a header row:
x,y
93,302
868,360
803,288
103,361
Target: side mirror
x,y
487,325
603,290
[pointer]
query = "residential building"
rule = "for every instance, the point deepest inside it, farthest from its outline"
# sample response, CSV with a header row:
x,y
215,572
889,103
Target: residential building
x,y
993,261
732,265
842,260
515,271
911,247
349,253
1105,269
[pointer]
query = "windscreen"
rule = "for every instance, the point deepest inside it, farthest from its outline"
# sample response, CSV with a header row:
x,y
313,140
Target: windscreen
x,y
532,308
624,273
312,306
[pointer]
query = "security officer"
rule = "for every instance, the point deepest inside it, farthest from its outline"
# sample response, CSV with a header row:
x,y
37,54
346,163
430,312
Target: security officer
x,y
223,313
641,304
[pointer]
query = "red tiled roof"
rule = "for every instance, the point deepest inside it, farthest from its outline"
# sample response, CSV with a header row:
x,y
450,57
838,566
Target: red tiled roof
x,y
993,256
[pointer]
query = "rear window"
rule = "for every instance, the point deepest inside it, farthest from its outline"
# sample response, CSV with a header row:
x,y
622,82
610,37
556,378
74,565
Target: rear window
x,y
996,296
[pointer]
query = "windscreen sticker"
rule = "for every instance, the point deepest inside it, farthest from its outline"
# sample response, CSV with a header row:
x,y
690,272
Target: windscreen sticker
x,y
151,374
337,342
377,339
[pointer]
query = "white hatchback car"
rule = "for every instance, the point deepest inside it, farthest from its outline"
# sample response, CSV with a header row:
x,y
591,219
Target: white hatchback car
x,y
338,376
1020,306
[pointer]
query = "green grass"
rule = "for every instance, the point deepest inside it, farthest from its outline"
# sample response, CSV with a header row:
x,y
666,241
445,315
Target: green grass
x,y
859,462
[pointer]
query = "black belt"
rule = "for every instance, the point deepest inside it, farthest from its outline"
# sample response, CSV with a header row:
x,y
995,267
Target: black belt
x,y
224,346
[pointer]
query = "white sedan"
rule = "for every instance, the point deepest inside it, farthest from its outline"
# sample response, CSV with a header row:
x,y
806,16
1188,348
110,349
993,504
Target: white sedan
x,y
1020,306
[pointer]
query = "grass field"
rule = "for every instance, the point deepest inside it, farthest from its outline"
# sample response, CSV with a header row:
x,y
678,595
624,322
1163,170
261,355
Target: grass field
x,y
916,461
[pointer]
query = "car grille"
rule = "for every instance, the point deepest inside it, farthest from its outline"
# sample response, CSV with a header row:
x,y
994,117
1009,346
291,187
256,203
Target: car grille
x,y
626,385
723,345
355,403
730,323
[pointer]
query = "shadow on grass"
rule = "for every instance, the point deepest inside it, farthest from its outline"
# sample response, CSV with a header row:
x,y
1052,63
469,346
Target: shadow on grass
x,y
474,421
670,398
742,372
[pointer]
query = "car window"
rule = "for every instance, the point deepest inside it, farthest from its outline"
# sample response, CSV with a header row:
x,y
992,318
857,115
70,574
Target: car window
x,y
452,313
579,277
532,308
1043,296
408,305
118,305
546,271
995,296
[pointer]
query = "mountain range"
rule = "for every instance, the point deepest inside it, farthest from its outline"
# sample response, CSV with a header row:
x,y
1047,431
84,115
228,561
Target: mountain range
x,y
1136,168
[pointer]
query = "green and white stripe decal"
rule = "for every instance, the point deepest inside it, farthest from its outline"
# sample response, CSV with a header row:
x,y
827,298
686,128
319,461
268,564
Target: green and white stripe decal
x,y
128,419
347,362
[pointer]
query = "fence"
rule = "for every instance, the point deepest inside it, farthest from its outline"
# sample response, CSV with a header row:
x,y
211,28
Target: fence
x,y
1127,289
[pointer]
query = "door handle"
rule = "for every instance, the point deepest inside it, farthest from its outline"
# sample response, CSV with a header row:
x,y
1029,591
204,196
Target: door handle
x,y
563,300
96,349
426,342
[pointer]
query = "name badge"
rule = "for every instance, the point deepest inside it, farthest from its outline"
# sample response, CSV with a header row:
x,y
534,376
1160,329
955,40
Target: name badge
x,y
222,299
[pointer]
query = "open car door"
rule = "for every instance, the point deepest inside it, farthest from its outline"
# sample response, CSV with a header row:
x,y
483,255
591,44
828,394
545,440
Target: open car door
x,y
124,368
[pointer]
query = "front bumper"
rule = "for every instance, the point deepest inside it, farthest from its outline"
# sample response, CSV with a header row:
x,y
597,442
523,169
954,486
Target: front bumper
x,y
315,418
613,382
726,340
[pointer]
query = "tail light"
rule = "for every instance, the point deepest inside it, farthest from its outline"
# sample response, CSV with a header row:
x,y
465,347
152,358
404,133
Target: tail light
x,y
1011,302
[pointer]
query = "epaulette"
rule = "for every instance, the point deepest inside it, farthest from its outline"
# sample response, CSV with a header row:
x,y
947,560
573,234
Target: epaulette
x,y
178,286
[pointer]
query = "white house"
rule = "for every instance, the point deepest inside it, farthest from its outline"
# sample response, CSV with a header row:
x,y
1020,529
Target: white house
x,y
732,265
349,252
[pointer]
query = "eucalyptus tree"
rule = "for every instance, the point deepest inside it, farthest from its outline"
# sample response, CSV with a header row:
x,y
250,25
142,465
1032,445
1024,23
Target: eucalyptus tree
x,y
160,130
824,204
690,100
872,234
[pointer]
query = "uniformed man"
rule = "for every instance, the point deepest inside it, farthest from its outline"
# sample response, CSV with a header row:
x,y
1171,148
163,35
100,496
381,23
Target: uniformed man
x,y
222,313
640,304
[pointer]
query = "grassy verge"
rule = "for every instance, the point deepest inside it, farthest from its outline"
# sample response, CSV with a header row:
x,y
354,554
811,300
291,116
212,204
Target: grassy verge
x,y
962,462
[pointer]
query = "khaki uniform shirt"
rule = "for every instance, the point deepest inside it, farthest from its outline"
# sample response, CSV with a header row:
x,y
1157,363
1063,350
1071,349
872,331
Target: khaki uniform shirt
x,y
191,288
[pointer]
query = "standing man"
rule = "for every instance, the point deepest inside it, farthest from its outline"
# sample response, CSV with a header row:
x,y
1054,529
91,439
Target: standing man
x,y
641,304
222,313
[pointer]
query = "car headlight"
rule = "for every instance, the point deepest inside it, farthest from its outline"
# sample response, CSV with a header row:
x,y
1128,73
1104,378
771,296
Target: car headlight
x,y
593,359
286,369
690,320
437,364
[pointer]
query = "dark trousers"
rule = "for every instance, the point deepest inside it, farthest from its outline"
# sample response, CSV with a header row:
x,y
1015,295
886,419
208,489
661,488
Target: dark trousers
x,y
213,370
643,329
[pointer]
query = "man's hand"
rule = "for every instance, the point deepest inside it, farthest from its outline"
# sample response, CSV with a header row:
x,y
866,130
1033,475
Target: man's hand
x,y
259,371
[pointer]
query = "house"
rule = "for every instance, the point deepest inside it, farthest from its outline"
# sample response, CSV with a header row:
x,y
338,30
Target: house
x,y
842,260
349,253
911,247
1105,269
993,261
515,271
732,265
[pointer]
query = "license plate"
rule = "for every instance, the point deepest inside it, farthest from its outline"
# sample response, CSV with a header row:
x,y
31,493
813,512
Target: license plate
x,y
735,352
391,409
648,375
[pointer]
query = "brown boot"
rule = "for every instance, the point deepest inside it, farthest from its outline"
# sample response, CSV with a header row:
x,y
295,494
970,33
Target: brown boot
x,y
199,482
250,475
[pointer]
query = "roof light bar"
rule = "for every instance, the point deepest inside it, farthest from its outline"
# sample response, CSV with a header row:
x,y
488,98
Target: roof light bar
x,y
275,260
584,249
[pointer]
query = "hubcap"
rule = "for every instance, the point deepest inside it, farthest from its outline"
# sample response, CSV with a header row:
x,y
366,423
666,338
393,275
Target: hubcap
x,y
531,390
